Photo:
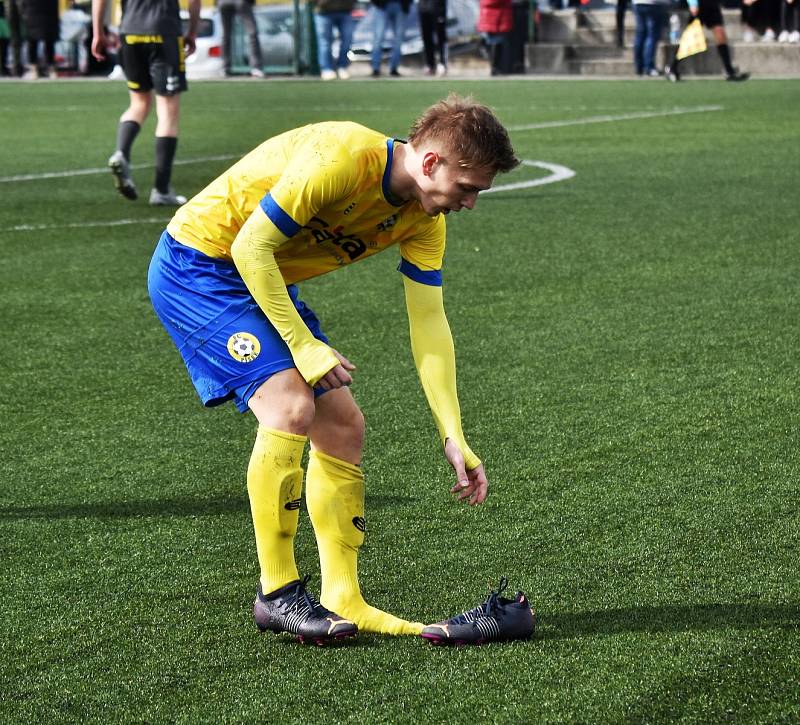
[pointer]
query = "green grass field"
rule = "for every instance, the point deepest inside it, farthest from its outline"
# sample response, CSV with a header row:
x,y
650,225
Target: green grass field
x,y
628,365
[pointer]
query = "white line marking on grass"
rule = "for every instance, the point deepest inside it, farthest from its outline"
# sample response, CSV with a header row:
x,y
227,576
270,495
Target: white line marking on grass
x,y
557,173
81,225
619,117
104,169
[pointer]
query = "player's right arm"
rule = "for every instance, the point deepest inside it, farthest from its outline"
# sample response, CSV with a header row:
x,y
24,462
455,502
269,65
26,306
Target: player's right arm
x,y
316,174
98,30
253,252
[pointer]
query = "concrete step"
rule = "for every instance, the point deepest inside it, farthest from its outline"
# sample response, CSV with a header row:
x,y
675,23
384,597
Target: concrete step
x,y
560,26
600,67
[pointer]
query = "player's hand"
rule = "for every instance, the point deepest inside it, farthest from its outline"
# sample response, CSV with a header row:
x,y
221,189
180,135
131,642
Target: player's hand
x,y
338,376
189,44
99,43
471,484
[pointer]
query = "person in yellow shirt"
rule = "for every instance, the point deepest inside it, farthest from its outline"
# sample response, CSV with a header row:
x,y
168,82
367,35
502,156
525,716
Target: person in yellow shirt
x,y
223,281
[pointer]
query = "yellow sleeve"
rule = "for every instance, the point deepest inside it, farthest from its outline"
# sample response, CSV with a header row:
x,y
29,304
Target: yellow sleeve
x,y
253,252
434,356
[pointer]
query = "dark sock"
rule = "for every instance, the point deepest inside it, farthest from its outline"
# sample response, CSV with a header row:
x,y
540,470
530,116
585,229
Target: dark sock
x,y
725,54
126,134
165,153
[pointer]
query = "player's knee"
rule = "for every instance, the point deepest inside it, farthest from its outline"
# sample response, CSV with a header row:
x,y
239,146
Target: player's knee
x,y
297,414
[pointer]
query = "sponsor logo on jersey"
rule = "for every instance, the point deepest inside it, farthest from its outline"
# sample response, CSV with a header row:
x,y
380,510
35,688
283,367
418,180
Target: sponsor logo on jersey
x,y
350,244
360,523
388,223
244,347
292,505
349,209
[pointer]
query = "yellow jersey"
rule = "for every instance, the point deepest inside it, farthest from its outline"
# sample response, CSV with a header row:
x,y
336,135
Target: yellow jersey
x,y
325,186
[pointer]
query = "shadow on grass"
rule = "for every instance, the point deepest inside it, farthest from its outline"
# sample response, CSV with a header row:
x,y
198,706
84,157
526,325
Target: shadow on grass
x,y
672,618
180,506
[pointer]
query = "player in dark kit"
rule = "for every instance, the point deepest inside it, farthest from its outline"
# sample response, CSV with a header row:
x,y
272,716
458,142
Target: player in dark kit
x,y
153,55
710,15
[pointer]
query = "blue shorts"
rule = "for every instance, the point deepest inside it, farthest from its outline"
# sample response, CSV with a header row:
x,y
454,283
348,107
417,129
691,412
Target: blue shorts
x,y
229,346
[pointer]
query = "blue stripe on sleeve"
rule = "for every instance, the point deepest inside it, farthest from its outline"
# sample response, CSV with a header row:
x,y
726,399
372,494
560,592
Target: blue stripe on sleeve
x,y
432,278
279,217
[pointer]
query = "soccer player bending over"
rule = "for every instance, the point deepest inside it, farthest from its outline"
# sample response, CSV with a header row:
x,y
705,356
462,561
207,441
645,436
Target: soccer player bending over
x,y
223,282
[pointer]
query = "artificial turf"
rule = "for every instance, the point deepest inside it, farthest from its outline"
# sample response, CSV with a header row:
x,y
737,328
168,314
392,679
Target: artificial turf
x,y
628,365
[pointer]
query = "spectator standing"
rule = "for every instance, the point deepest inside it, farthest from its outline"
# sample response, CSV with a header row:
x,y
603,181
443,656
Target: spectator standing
x,y
433,26
228,10
153,50
790,27
330,14
4,38
389,14
495,22
622,6
42,27
651,18
14,19
710,15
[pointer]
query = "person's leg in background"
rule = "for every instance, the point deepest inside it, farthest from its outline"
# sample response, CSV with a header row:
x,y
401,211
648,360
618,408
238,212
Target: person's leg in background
x,y
345,25
323,24
254,56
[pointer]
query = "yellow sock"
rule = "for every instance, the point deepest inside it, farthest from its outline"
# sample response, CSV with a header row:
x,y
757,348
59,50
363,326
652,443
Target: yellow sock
x,y
275,483
335,500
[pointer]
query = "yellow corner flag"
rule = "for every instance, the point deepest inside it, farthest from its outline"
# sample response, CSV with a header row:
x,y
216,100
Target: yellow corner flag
x,y
693,40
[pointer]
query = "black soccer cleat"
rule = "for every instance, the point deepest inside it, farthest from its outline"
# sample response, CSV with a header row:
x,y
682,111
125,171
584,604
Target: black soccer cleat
x,y
495,620
121,171
292,609
737,75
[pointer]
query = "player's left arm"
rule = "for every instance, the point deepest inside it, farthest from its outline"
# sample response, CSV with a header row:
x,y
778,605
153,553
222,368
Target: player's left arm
x,y
434,356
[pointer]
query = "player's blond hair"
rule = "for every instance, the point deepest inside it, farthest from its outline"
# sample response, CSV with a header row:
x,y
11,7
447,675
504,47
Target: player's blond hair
x,y
467,129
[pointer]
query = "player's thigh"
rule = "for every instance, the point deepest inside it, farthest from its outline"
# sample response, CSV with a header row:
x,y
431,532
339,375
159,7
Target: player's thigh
x,y
168,67
338,427
135,61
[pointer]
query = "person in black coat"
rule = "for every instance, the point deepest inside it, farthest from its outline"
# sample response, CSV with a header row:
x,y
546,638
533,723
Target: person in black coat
x,y
42,26
433,26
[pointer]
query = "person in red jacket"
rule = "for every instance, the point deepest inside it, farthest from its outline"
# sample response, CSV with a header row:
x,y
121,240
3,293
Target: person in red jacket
x,y
495,20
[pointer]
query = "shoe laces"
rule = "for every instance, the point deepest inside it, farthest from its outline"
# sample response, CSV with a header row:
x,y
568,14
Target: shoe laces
x,y
300,601
487,609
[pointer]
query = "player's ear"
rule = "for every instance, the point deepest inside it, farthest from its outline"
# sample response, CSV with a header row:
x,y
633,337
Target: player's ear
x,y
429,161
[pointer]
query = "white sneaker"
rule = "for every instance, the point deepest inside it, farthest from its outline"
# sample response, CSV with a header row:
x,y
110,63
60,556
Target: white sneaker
x,y
794,36
748,36
769,36
116,73
31,73
344,74
784,36
168,199
441,69
256,73
328,75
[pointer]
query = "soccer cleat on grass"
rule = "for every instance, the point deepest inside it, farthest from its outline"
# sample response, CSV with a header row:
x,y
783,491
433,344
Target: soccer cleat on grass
x,y
292,609
496,619
157,198
121,170
737,75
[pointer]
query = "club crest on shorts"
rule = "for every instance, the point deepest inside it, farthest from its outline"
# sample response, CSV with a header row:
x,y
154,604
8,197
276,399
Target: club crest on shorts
x,y
244,347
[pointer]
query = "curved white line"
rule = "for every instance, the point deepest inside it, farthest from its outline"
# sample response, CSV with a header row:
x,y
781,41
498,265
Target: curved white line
x,y
557,173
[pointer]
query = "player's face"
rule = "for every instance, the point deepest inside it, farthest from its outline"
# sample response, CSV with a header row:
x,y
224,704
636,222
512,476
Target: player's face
x,y
445,186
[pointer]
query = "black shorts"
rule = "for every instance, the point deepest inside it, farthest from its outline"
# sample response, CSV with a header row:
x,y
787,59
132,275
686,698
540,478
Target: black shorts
x,y
154,62
710,14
